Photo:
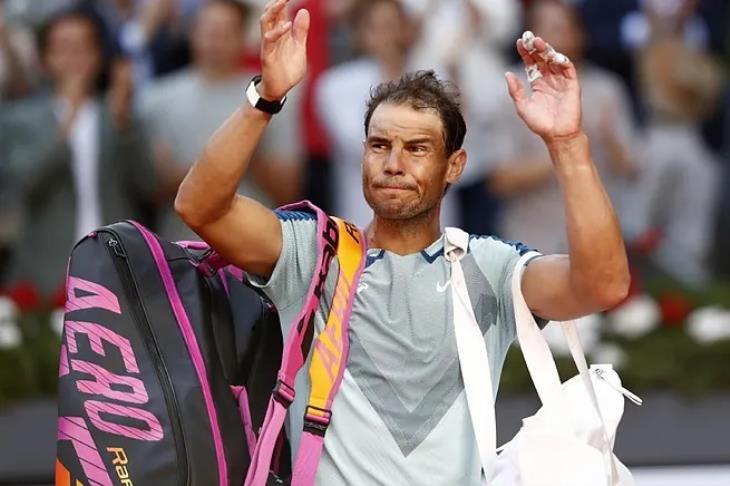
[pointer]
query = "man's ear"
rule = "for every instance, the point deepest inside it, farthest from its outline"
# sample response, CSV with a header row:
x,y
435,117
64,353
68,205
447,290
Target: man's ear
x,y
456,165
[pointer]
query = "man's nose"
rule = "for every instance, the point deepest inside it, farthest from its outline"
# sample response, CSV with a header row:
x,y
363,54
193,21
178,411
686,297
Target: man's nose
x,y
394,163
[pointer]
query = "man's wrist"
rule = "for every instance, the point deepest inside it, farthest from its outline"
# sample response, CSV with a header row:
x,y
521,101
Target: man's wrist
x,y
566,142
571,156
571,147
267,93
252,112
266,103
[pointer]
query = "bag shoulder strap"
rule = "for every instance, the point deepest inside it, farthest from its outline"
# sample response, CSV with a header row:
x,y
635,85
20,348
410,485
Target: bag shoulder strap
x,y
535,350
330,353
472,351
296,346
541,364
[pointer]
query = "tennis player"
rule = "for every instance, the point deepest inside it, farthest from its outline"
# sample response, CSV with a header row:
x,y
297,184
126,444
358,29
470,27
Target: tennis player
x,y
401,416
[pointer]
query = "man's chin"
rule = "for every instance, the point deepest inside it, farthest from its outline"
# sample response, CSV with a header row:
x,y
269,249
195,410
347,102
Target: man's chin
x,y
393,210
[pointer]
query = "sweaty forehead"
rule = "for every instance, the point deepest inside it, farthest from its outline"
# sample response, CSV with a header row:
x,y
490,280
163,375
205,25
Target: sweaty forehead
x,y
393,121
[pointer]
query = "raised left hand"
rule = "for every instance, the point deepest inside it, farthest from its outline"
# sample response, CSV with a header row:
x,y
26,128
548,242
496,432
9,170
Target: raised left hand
x,y
553,109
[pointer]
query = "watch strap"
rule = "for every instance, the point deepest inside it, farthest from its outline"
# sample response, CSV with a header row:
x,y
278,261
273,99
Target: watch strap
x,y
267,106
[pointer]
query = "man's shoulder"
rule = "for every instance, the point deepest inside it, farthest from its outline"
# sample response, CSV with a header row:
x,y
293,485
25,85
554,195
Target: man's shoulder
x,y
298,224
496,259
304,211
491,246
295,214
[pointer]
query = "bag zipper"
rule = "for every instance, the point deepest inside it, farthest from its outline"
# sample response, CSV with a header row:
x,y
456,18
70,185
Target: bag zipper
x,y
623,391
163,374
191,343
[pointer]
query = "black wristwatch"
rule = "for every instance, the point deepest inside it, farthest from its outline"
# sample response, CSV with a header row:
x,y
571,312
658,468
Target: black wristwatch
x,y
267,106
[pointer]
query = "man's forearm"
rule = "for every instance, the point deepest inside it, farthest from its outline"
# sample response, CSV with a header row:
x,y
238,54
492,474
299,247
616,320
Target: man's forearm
x,y
209,189
598,264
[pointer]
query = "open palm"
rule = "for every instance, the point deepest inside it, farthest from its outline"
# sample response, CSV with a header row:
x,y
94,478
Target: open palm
x,y
553,109
283,49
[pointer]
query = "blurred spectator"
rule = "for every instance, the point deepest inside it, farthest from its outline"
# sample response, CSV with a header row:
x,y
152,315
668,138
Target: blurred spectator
x,y
681,87
18,72
77,161
700,24
523,173
384,34
183,110
452,31
620,28
136,25
152,33
662,17
35,12
606,46
722,242
341,37
18,63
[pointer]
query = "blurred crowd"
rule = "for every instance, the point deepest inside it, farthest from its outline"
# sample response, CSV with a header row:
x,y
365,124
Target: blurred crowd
x,y
105,105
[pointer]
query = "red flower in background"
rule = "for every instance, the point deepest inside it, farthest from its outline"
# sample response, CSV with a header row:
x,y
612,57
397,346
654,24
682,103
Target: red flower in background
x,y
58,299
25,296
675,308
646,243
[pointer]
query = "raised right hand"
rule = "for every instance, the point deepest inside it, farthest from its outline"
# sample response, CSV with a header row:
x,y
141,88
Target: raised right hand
x,y
283,49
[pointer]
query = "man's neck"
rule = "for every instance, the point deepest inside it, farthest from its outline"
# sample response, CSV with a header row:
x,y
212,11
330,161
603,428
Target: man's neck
x,y
404,237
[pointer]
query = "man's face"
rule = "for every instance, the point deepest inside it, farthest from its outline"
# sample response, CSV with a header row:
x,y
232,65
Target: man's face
x,y
405,167
217,37
73,50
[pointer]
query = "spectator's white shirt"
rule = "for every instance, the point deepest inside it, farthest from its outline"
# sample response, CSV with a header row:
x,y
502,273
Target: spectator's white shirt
x,y
83,141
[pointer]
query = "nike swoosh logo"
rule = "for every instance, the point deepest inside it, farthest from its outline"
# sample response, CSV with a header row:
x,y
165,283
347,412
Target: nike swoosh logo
x,y
441,289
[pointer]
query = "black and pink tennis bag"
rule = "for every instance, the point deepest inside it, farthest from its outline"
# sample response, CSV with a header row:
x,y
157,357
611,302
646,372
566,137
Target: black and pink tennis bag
x,y
168,362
